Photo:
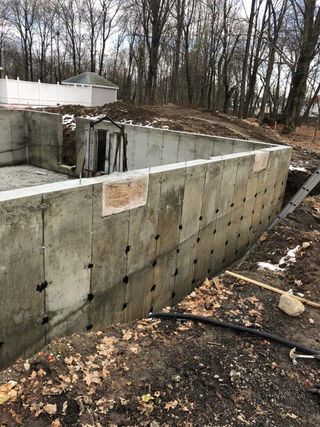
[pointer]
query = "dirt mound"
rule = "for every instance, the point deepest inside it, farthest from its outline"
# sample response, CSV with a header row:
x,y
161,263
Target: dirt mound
x,y
117,111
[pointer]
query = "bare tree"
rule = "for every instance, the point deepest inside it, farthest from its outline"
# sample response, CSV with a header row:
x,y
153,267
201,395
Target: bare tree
x,y
310,32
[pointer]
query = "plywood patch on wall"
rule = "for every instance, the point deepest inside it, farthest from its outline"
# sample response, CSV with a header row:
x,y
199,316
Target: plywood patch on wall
x,y
122,194
261,161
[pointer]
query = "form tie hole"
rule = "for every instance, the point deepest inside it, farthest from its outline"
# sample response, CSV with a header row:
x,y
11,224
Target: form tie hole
x,y
45,320
42,286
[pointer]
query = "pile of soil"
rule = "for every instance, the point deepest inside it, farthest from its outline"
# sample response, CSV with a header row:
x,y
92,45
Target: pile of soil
x,y
165,117
163,373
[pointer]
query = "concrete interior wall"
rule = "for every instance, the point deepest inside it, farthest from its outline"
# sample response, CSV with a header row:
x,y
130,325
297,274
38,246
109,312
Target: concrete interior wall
x,y
31,137
81,256
44,137
12,137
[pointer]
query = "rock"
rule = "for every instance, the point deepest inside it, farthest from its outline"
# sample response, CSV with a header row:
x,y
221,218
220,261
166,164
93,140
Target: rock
x,y
290,305
306,245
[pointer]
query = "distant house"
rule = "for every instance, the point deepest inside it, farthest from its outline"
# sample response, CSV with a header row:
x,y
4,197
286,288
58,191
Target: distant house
x,y
88,89
103,91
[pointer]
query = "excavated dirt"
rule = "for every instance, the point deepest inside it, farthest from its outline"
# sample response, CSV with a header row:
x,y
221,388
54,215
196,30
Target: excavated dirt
x,y
166,373
164,117
182,119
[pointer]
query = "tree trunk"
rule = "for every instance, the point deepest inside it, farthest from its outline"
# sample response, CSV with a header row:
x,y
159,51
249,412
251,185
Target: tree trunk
x,y
310,36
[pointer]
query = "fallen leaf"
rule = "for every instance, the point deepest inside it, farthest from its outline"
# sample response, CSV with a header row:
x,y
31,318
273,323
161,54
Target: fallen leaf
x,y
7,392
171,405
147,398
126,335
92,377
292,416
264,237
50,409
134,349
3,397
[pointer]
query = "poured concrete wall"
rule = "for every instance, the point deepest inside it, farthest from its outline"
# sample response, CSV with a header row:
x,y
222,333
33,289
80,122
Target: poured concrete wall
x,y
44,139
68,264
148,147
12,137
31,137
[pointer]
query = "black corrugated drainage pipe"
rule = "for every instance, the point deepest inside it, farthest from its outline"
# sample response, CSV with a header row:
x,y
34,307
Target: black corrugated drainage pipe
x,y
238,328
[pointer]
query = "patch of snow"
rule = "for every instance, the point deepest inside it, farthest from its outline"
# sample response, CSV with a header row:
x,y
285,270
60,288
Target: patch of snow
x,y
289,258
88,117
67,118
297,168
268,266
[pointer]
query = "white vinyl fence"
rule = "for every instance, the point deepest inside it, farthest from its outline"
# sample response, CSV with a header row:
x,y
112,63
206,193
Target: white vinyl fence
x,y
20,92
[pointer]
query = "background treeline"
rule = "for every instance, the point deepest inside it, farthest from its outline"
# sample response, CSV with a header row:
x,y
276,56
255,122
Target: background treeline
x,y
212,54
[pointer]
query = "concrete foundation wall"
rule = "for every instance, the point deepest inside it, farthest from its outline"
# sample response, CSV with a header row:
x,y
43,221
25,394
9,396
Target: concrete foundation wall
x,y
148,147
32,137
68,265
44,139
12,137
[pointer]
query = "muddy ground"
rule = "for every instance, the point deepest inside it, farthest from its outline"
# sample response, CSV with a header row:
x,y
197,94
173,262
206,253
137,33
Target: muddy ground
x,y
165,373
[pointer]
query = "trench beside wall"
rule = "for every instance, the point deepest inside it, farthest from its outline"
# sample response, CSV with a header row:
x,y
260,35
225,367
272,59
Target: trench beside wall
x,y
79,257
